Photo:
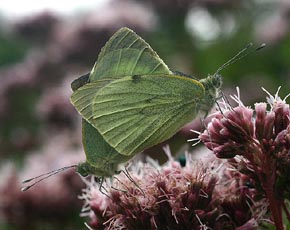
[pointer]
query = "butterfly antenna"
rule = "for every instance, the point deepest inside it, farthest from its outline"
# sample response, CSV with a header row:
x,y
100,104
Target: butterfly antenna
x,y
43,176
241,54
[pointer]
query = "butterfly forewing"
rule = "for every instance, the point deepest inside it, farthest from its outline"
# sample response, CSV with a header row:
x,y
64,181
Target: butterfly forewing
x,y
126,54
128,62
126,38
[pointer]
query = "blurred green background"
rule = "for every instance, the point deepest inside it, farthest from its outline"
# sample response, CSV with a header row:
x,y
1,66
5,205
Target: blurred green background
x,y
43,51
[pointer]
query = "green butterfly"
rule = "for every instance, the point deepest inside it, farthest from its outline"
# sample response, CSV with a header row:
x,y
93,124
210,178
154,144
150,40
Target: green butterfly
x,y
131,101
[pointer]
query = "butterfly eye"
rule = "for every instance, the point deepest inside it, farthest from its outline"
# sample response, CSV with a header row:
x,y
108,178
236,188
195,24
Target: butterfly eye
x,y
83,169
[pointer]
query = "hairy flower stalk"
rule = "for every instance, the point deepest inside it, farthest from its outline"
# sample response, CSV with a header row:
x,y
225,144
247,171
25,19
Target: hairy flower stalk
x,y
257,143
197,196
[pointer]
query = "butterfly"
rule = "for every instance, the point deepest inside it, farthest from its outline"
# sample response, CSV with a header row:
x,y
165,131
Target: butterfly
x,y
131,101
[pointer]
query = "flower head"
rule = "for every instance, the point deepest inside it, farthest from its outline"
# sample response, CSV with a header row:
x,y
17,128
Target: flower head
x,y
164,197
257,143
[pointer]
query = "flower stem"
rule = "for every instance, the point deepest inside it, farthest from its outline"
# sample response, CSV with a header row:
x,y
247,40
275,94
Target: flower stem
x,y
275,204
276,209
286,210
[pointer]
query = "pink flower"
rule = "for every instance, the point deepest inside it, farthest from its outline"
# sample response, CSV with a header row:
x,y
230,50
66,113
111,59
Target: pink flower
x,y
166,197
258,143
53,199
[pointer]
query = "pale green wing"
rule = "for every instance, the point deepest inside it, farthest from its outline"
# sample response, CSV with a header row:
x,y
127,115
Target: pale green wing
x,y
127,62
126,38
99,153
137,112
125,54
82,97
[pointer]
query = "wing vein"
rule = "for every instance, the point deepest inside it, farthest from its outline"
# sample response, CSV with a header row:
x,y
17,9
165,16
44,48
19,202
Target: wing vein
x,y
118,64
129,109
136,39
156,67
75,101
121,39
137,60
132,132
156,129
132,122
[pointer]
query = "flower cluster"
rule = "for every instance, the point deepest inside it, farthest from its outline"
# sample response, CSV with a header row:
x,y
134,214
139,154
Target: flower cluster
x,y
257,143
40,206
169,197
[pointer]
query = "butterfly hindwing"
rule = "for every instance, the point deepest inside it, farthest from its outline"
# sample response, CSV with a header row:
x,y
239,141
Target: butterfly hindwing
x,y
137,112
82,98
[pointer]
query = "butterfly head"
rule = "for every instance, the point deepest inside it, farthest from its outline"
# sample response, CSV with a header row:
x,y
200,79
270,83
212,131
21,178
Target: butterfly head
x,y
83,169
212,86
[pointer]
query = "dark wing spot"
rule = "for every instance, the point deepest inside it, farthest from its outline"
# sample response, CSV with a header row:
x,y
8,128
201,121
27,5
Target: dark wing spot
x,y
136,78
148,101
